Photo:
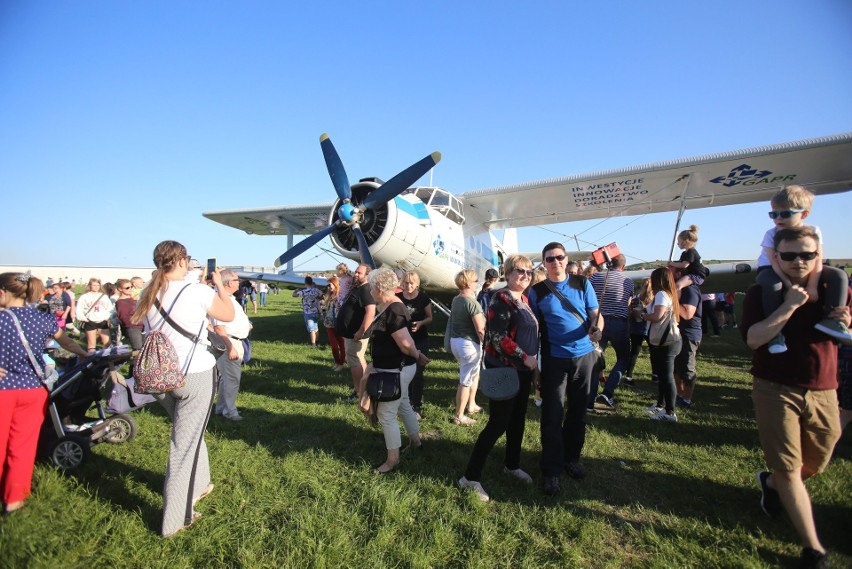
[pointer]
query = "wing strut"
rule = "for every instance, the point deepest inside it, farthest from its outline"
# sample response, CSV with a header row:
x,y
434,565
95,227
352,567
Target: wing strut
x,y
679,215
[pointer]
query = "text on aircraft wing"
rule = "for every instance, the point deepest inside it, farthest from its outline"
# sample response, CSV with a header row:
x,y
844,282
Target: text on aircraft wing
x,y
824,165
278,220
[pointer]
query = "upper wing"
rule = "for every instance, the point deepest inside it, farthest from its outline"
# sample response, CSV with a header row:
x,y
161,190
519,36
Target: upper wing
x,y
300,219
824,165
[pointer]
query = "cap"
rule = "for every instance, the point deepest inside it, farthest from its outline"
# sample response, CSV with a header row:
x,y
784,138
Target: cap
x,y
491,274
194,264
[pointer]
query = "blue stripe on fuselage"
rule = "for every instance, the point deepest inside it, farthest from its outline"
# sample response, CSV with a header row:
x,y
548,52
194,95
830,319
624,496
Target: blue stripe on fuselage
x,y
417,210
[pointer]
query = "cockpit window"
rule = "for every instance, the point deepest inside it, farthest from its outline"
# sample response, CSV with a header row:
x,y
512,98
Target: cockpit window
x,y
441,201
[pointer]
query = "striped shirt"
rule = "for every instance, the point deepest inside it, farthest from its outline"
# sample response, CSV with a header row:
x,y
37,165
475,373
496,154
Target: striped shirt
x,y
619,290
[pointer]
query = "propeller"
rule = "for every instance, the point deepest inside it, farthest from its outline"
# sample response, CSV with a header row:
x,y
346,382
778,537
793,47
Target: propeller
x,y
352,215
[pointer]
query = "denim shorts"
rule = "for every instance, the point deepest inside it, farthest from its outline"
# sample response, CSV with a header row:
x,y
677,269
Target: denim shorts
x,y
311,321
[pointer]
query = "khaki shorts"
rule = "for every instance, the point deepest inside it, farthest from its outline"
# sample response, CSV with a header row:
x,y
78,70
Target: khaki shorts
x,y
797,427
355,351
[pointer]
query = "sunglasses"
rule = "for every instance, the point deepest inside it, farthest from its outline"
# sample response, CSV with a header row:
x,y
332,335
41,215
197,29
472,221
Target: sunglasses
x,y
553,258
126,288
786,214
524,272
804,255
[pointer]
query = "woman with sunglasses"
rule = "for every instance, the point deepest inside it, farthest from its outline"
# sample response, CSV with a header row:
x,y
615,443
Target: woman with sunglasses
x,y
124,308
466,335
511,341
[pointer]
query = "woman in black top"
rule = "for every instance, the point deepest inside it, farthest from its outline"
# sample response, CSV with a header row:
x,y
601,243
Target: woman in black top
x,y
511,340
392,349
420,310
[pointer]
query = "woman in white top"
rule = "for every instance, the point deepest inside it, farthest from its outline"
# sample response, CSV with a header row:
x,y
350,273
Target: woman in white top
x,y
188,306
94,310
663,357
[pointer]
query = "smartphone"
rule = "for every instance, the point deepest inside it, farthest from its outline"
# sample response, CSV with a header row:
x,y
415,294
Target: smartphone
x,y
211,267
605,254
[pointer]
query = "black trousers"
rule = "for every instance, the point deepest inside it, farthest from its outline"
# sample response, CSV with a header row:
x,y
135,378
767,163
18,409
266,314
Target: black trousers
x,y
508,417
563,425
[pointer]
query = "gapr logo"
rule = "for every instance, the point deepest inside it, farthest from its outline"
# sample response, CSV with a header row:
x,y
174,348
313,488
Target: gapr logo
x,y
748,176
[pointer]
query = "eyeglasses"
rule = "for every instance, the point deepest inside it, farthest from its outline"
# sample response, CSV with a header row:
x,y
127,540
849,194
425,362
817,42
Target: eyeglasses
x,y
553,258
786,214
791,255
525,272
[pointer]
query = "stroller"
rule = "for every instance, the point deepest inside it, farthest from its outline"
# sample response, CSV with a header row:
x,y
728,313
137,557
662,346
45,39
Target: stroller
x,y
68,434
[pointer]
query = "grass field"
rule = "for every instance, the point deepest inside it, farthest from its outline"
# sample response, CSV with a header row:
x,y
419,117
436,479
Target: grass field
x,y
294,483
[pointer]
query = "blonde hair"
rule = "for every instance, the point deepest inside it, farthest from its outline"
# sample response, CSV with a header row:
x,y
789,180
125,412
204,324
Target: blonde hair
x,y
465,278
689,236
515,261
793,197
413,277
646,295
539,275
89,284
342,269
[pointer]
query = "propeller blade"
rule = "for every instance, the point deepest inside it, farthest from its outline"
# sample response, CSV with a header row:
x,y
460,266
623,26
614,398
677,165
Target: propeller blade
x,y
335,169
401,181
304,245
363,250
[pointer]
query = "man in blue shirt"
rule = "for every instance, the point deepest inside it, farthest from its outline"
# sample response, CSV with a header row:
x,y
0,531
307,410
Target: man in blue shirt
x,y
568,358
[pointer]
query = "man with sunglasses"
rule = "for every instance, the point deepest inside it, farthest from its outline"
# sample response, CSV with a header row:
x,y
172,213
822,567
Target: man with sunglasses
x,y
794,393
790,207
567,311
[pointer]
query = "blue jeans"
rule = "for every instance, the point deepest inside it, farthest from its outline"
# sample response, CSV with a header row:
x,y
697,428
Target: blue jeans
x,y
563,425
263,299
617,332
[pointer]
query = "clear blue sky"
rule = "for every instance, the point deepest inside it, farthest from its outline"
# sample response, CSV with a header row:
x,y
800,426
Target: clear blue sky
x,y
120,122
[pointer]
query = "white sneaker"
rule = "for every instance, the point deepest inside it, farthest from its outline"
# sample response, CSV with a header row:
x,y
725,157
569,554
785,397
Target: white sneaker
x,y
519,474
663,416
476,487
653,409
233,416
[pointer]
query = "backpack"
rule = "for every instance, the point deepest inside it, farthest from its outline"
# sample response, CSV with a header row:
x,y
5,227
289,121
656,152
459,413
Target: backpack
x,y
157,369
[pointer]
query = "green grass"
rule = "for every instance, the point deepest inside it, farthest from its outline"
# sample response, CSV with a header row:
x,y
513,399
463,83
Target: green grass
x,y
294,483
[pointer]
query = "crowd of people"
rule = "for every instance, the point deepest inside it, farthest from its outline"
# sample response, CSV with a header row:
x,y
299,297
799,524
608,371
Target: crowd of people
x,y
552,324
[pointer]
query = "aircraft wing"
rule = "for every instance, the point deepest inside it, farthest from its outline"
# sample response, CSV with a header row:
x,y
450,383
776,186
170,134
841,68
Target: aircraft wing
x,y
299,219
280,278
824,165
734,276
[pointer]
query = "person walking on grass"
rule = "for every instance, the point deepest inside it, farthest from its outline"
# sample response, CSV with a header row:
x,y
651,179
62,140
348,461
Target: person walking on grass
x,y
188,305
567,310
311,296
794,392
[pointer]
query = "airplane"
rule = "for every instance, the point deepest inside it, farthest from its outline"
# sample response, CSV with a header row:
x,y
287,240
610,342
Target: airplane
x,y
436,233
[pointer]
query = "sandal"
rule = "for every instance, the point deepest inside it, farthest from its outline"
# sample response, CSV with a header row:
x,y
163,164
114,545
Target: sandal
x,y
195,517
203,495
378,469
474,411
463,420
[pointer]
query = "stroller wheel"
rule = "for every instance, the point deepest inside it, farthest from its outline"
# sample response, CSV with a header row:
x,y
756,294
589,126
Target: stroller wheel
x,y
122,428
69,452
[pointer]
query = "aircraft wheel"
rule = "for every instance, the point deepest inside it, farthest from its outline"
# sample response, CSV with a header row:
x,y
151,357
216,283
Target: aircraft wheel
x,y
69,452
122,428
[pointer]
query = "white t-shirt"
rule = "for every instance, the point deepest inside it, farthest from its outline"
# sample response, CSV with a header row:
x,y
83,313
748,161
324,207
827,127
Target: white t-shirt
x,y
190,313
239,327
769,243
662,298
